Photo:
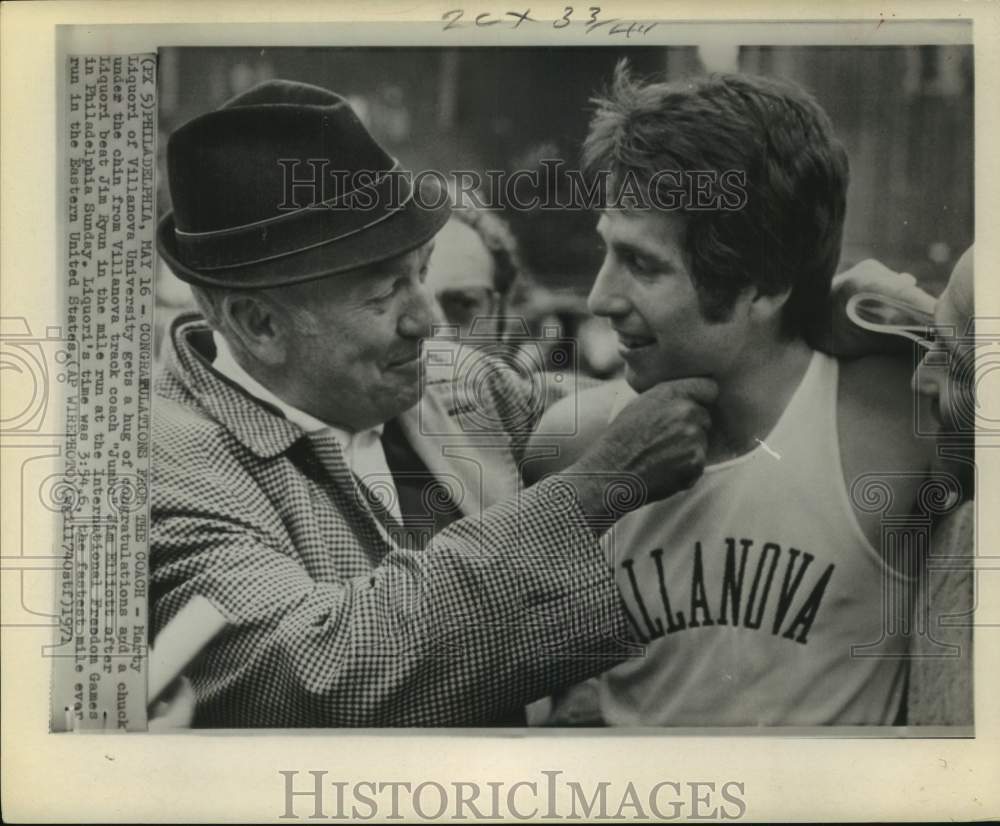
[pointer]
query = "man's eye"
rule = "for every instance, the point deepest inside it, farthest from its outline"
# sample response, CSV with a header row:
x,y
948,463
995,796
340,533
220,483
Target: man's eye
x,y
637,263
458,301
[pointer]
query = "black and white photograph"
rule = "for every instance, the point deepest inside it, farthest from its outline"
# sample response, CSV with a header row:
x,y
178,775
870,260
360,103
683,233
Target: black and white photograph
x,y
499,412
566,386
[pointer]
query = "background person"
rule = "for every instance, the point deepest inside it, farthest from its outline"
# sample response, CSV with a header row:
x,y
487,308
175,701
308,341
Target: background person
x,y
941,688
941,676
474,271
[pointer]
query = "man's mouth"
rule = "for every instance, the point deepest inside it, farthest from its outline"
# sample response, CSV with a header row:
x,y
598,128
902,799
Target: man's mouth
x,y
405,361
629,343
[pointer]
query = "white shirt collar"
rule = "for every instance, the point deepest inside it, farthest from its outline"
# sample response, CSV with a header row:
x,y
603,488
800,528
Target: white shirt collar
x,y
226,364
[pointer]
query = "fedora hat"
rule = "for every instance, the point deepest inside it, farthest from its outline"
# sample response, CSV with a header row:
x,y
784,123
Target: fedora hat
x,y
284,184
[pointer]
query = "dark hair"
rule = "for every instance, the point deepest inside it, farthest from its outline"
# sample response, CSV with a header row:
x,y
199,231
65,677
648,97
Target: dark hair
x,y
787,233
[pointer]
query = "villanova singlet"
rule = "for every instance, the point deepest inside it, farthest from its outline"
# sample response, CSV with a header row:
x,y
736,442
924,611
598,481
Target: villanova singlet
x,y
750,590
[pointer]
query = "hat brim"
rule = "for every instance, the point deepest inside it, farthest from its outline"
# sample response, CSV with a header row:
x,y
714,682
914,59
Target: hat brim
x,y
410,227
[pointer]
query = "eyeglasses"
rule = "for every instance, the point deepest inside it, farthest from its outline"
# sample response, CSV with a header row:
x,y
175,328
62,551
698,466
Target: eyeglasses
x,y
463,306
881,314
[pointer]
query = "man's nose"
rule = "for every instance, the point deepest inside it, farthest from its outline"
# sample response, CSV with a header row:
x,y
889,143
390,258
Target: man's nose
x,y
606,296
420,313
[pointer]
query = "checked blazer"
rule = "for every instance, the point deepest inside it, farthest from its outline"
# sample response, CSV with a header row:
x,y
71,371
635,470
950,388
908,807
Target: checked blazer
x,y
330,623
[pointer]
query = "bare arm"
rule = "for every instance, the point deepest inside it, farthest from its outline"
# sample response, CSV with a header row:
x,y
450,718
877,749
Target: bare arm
x,y
879,442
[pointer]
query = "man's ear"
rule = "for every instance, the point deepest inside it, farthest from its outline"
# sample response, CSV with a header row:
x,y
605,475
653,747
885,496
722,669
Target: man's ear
x,y
766,307
256,324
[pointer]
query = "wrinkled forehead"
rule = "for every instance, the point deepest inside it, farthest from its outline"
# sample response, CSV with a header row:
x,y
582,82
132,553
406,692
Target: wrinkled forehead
x,y
460,259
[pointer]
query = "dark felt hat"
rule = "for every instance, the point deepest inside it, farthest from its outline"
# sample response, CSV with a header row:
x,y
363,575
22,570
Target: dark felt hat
x,y
284,184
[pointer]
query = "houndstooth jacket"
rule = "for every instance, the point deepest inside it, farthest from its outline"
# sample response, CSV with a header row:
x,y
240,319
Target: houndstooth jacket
x,y
329,622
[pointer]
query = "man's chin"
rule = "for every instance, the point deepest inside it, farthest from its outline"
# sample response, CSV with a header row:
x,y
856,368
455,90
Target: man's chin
x,y
637,379
408,398
641,380
394,398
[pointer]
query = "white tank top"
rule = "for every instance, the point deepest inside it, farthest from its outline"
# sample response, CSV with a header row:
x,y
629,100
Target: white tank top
x,y
750,589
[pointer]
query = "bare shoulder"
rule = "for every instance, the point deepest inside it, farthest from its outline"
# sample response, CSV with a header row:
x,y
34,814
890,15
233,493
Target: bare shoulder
x,y
877,380
570,425
876,419
876,402
584,411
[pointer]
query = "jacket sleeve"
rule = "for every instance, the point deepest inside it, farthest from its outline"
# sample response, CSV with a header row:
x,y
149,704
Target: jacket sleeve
x,y
494,613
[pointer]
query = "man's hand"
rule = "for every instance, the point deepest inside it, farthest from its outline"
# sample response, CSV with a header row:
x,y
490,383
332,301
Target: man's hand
x,y
660,438
840,337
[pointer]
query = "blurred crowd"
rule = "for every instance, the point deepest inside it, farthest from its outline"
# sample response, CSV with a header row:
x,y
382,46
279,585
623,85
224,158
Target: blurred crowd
x,y
525,273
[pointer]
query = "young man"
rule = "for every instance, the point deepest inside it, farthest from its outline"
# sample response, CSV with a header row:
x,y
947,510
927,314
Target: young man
x,y
758,592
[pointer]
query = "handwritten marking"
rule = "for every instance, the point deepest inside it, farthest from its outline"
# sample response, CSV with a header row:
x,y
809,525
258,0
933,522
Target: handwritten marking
x,y
452,19
521,17
455,15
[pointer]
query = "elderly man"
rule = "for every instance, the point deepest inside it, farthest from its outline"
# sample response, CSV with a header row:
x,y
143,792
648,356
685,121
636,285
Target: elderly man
x,y
376,560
